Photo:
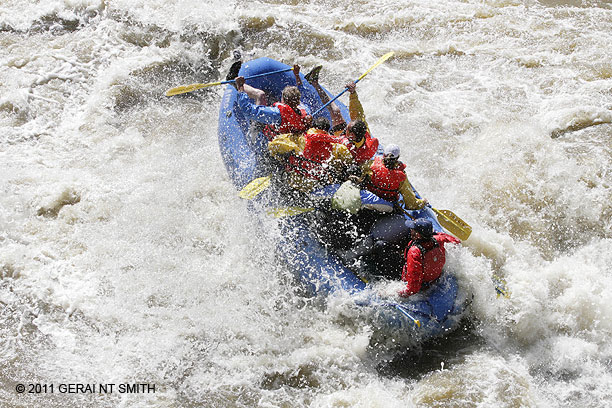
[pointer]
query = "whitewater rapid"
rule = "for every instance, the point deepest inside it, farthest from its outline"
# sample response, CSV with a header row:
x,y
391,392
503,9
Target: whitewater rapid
x,y
126,258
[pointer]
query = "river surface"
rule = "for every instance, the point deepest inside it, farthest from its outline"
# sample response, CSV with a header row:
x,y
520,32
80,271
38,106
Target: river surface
x,y
125,257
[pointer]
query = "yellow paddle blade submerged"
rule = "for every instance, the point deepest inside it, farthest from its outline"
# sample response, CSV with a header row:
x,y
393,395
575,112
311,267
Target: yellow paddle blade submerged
x,y
501,287
254,188
453,224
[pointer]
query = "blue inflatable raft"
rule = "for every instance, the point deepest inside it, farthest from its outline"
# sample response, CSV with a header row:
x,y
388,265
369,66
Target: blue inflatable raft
x,y
317,264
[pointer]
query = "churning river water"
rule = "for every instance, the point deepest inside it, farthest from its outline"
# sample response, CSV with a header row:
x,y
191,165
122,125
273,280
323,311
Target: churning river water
x,y
125,257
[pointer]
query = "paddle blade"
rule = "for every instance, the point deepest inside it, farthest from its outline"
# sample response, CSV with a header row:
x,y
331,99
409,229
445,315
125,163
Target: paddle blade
x,y
189,88
254,188
380,61
288,211
500,286
453,224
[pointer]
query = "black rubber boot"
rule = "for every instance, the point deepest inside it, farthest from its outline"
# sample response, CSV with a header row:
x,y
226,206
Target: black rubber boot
x,y
233,71
313,75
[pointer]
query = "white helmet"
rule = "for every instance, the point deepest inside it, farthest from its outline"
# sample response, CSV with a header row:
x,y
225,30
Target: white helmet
x,y
392,151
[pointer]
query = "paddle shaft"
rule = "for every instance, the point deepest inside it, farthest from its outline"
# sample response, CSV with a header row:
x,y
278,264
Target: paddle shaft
x,y
404,311
332,100
258,75
461,231
380,61
407,213
194,87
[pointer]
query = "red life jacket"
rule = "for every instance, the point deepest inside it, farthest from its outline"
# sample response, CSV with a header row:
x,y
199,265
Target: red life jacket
x,y
424,263
385,182
291,121
319,145
317,152
365,152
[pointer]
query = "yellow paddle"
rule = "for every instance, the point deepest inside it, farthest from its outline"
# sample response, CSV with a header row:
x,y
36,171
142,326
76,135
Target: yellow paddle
x,y
380,61
453,224
288,211
252,190
403,310
193,87
500,286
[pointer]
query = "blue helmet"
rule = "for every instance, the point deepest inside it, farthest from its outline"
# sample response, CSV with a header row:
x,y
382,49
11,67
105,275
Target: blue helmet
x,y
422,225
